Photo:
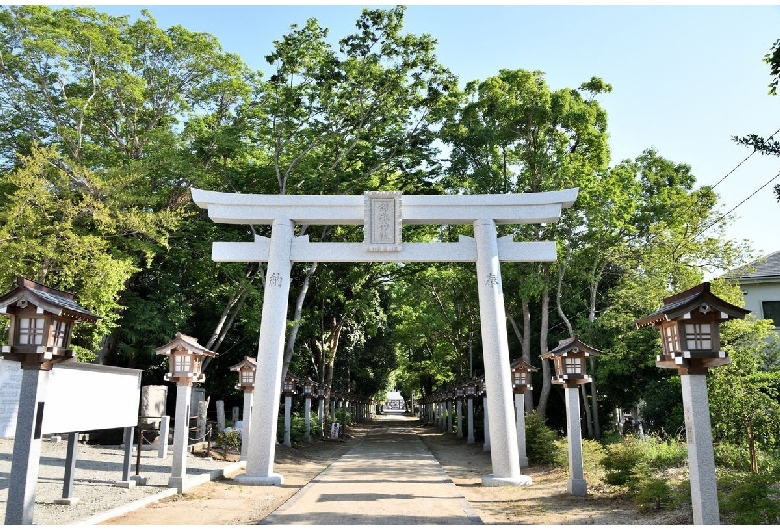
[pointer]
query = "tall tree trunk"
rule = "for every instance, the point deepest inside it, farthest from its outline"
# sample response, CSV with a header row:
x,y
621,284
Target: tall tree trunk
x,y
289,347
529,394
544,396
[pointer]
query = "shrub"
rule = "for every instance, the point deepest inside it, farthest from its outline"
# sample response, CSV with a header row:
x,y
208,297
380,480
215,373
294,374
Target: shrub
x,y
229,441
652,492
749,498
663,454
539,439
592,454
298,427
620,462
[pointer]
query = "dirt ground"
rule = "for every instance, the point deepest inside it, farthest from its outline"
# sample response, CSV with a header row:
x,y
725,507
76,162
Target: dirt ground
x,y
546,502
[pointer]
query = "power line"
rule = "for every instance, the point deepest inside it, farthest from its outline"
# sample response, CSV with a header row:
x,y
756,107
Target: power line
x,y
743,161
743,201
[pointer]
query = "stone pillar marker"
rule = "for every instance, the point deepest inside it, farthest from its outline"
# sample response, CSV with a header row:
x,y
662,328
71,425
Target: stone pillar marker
x,y
382,214
220,415
470,393
689,323
162,449
503,438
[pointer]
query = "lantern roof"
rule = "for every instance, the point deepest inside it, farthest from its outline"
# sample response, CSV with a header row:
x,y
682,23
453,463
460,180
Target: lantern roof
x,y
571,345
246,362
693,299
54,301
519,363
186,342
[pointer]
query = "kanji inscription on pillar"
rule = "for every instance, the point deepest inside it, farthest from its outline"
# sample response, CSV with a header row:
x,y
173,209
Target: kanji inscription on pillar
x,y
382,229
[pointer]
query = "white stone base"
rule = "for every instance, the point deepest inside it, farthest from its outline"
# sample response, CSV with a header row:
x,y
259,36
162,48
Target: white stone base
x,y
139,480
180,483
70,501
520,480
275,479
129,484
578,486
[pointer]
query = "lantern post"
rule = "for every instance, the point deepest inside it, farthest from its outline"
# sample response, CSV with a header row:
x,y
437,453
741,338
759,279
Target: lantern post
x,y
309,387
246,369
570,370
689,323
41,321
288,390
459,392
185,367
482,391
471,392
521,383
450,404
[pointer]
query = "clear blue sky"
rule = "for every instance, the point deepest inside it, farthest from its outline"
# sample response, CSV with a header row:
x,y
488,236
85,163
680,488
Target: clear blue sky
x,y
685,79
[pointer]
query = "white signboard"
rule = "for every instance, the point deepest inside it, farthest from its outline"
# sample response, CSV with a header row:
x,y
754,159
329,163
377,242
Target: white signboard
x,y
10,385
84,397
334,430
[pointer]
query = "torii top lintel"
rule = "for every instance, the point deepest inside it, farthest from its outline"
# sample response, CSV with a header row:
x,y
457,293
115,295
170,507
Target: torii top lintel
x,y
512,208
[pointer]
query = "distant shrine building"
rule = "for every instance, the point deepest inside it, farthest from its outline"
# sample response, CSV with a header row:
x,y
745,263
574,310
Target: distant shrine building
x,y
395,401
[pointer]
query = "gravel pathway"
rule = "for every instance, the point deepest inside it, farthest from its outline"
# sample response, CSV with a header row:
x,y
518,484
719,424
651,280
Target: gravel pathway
x,y
98,467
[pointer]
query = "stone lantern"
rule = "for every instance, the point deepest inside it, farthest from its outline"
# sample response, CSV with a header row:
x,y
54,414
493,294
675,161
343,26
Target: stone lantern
x,y
689,323
460,392
471,392
288,390
185,363
450,409
246,383
482,391
321,391
41,321
309,388
521,383
569,361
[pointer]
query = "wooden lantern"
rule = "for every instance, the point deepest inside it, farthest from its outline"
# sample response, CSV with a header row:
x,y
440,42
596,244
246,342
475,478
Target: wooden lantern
x,y
521,376
459,392
471,389
309,388
42,319
246,373
689,323
185,360
289,385
569,360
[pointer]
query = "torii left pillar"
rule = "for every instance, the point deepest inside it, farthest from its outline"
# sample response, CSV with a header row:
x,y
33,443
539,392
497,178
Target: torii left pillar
x,y
268,381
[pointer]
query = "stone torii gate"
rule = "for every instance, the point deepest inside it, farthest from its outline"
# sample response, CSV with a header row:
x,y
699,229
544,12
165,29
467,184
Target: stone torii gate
x,y
382,215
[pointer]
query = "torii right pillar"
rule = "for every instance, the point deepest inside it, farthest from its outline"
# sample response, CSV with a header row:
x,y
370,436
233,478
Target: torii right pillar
x,y
503,438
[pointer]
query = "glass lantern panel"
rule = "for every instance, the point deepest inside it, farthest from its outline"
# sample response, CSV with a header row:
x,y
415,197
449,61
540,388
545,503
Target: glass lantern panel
x,y
671,339
698,336
181,363
60,334
573,365
247,377
31,330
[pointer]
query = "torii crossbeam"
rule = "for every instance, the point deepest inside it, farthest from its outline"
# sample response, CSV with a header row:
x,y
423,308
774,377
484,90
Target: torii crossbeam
x,y
382,215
